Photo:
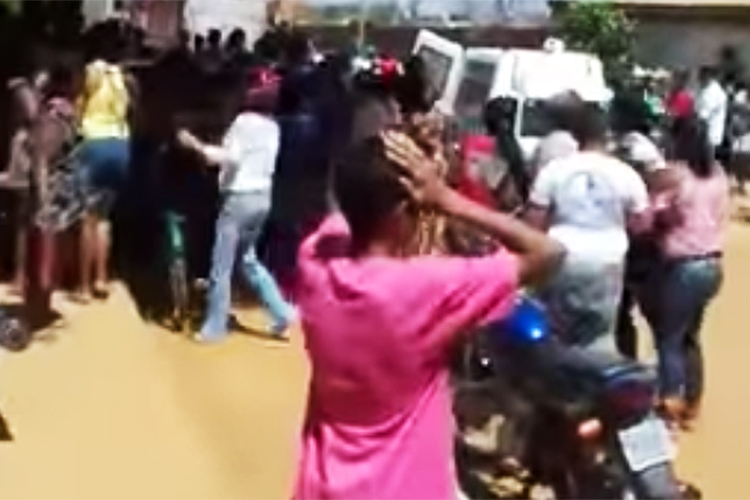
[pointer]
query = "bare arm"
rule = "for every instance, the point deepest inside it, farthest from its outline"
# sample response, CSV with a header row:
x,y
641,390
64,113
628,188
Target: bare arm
x,y
237,142
538,210
539,254
537,217
213,155
638,206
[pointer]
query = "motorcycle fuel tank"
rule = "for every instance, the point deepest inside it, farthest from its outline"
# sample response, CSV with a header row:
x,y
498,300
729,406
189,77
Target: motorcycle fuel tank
x,y
526,324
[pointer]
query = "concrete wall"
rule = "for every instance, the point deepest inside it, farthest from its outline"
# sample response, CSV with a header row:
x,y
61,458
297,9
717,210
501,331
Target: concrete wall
x,y
689,43
226,15
95,11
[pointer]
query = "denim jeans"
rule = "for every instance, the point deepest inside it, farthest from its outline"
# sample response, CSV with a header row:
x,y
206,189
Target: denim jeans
x,y
582,301
687,288
105,163
238,228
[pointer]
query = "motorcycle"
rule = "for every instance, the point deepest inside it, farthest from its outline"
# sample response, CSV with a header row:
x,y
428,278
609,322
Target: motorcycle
x,y
575,423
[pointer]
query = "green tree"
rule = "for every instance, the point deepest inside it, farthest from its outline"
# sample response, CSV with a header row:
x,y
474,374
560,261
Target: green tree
x,y
599,28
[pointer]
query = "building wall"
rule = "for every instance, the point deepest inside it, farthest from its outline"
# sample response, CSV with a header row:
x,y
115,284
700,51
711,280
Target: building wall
x,y
688,43
226,15
94,11
160,19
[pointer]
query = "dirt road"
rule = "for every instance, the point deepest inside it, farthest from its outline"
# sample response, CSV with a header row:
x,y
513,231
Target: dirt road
x,y
105,407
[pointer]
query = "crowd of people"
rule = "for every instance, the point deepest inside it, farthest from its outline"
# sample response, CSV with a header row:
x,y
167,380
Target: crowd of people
x,y
347,172
641,224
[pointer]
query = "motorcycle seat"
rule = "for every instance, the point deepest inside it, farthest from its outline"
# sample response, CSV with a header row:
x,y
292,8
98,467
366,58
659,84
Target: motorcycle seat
x,y
599,366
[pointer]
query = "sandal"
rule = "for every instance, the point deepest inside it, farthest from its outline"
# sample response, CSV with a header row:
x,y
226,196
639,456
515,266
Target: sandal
x,y
101,291
80,297
283,330
679,415
690,416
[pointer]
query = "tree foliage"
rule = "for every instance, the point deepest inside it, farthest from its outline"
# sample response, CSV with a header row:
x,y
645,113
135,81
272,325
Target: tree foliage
x,y
600,28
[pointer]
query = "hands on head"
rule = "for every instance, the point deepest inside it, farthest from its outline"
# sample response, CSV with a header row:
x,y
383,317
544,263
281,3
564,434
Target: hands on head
x,y
538,254
421,175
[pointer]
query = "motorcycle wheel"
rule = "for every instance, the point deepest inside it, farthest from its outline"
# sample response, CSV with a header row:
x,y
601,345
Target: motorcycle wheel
x,y
15,334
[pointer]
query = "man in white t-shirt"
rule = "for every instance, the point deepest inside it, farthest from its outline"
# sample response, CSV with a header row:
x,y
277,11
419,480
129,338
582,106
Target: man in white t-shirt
x,y
557,144
587,201
712,105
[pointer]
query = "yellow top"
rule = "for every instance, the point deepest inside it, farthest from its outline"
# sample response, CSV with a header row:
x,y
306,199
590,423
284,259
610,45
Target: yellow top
x,y
103,106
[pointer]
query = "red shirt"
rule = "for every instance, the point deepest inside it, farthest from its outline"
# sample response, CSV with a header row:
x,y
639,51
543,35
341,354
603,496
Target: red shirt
x,y
476,151
680,104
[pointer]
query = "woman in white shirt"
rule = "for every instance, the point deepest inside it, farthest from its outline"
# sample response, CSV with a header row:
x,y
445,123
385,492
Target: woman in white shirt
x,y
247,158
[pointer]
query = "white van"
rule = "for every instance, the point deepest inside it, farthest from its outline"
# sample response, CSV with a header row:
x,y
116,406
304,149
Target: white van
x,y
445,60
528,77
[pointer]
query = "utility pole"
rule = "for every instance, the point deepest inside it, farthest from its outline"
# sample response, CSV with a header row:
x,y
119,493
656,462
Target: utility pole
x,y
503,9
414,9
362,24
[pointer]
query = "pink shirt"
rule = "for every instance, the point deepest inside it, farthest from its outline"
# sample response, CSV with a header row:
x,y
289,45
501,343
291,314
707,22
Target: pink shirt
x,y
379,333
699,213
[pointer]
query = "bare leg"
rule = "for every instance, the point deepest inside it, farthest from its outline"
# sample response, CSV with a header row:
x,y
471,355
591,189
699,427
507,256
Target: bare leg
x,y
22,229
40,274
20,261
86,255
101,248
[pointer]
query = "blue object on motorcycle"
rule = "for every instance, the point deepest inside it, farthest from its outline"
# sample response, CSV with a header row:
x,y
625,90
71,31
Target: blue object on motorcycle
x,y
525,324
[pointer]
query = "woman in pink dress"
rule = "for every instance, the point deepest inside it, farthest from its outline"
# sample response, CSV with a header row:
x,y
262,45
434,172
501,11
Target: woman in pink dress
x,y
380,325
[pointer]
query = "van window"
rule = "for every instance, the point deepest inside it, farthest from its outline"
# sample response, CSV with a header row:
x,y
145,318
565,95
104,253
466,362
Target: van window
x,y
438,65
475,87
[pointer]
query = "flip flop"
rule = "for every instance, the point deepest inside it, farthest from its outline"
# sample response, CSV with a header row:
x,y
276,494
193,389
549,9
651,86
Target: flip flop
x,y
101,291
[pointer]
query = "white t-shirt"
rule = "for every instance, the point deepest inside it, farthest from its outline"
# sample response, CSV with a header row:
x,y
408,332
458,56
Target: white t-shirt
x,y
642,151
557,144
590,195
712,105
247,154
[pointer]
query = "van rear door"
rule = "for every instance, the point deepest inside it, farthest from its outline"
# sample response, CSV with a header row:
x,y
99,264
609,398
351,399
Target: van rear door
x,y
445,60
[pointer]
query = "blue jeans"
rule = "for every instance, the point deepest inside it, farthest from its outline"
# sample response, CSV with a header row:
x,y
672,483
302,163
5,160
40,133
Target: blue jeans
x,y
687,287
582,301
105,161
237,229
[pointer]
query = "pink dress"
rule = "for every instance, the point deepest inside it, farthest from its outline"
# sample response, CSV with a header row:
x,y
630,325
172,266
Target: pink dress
x,y
379,332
